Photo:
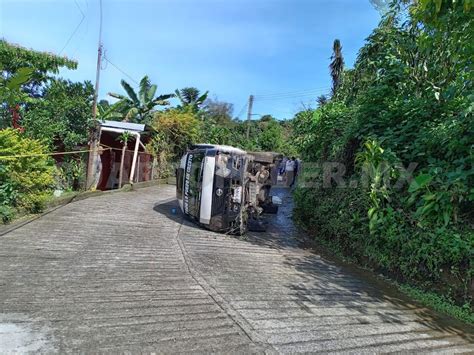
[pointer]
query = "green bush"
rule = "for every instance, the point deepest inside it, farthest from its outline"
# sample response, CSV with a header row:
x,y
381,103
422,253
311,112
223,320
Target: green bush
x,y
389,111
26,175
71,173
6,214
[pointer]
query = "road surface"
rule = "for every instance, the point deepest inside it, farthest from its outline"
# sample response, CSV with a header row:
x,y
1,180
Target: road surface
x,y
121,272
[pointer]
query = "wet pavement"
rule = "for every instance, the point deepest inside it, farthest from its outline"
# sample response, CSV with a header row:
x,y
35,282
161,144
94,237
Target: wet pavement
x,y
122,272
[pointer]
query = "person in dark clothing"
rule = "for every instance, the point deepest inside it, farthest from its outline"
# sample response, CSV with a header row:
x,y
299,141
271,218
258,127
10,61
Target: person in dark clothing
x,y
295,171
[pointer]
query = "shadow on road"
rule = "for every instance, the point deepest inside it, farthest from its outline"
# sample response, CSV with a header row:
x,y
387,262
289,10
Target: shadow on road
x,y
328,273
170,209
335,284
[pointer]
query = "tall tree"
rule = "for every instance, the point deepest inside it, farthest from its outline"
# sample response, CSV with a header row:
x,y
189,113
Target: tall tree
x,y
23,75
13,58
219,112
267,118
138,108
60,119
191,98
322,100
337,65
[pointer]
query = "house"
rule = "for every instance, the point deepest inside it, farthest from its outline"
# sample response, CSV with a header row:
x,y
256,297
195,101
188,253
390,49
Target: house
x,y
137,162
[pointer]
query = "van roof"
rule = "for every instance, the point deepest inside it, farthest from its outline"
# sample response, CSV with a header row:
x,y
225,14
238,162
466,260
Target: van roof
x,y
222,148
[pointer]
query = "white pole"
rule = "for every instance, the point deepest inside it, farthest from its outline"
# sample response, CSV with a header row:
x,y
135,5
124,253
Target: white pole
x,y
135,155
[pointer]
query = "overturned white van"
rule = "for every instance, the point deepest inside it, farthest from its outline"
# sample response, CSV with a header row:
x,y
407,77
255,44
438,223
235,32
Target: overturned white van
x,y
226,189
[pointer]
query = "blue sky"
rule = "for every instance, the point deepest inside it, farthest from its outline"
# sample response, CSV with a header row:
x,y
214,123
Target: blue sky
x,y
233,48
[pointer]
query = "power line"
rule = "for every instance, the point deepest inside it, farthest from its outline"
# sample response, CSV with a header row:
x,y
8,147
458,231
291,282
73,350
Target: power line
x,y
83,16
81,36
290,97
80,9
312,93
121,70
242,110
294,92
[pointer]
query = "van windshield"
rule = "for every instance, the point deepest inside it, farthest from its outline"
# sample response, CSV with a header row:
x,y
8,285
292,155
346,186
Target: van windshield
x,y
192,185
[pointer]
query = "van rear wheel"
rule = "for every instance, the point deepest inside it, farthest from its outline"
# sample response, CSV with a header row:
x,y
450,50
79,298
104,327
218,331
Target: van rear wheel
x,y
257,225
270,208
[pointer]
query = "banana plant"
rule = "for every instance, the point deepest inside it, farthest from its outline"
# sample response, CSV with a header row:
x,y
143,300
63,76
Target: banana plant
x,y
10,87
138,107
10,91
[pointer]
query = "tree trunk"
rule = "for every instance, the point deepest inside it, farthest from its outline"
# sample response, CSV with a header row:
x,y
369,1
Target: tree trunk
x,y
121,165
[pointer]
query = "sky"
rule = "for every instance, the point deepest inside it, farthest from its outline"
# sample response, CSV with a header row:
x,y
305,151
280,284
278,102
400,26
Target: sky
x,y
277,50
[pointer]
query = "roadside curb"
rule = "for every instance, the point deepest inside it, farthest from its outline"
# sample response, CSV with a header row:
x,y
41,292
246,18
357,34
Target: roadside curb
x,y
60,202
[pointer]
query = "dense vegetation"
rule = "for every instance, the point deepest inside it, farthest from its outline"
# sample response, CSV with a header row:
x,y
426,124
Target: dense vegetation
x,y
43,114
399,125
408,99
27,181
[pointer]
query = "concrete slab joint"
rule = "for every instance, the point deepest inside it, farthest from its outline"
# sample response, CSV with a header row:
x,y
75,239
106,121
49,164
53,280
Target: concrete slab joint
x,y
123,272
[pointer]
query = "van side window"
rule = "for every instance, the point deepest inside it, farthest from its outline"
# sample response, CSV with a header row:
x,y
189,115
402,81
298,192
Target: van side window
x,y
179,183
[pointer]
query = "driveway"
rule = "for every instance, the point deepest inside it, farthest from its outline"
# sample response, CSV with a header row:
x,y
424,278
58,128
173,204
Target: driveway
x,y
122,272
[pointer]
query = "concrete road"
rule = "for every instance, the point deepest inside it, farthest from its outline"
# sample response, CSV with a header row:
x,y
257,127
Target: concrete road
x,y
121,272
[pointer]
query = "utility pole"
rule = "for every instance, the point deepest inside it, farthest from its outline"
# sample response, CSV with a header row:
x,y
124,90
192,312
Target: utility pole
x,y
249,115
94,131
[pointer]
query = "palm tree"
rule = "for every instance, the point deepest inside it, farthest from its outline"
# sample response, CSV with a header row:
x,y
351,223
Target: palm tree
x,y
337,65
191,98
138,108
322,100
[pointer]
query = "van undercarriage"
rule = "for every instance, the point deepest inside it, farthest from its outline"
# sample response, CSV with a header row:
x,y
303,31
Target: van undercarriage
x,y
226,189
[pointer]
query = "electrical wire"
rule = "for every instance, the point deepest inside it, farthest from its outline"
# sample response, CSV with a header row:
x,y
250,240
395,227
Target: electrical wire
x,y
83,16
9,157
121,70
104,62
292,93
242,110
292,97
300,93
72,35
80,9
82,35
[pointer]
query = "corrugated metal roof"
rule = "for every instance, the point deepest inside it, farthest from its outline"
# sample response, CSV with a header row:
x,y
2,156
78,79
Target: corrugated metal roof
x,y
126,126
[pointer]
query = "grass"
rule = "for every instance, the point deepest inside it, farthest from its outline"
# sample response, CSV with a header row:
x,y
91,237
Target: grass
x,y
429,299
439,303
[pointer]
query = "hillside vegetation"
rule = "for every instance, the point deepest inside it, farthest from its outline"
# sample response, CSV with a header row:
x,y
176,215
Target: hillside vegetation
x,y
400,127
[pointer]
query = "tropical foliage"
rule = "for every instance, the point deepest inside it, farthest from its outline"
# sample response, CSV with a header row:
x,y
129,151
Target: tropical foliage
x,y
138,107
53,115
13,59
10,86
337,65
24,74
61,118
176,130
191,98
43,112
26,175
408,99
